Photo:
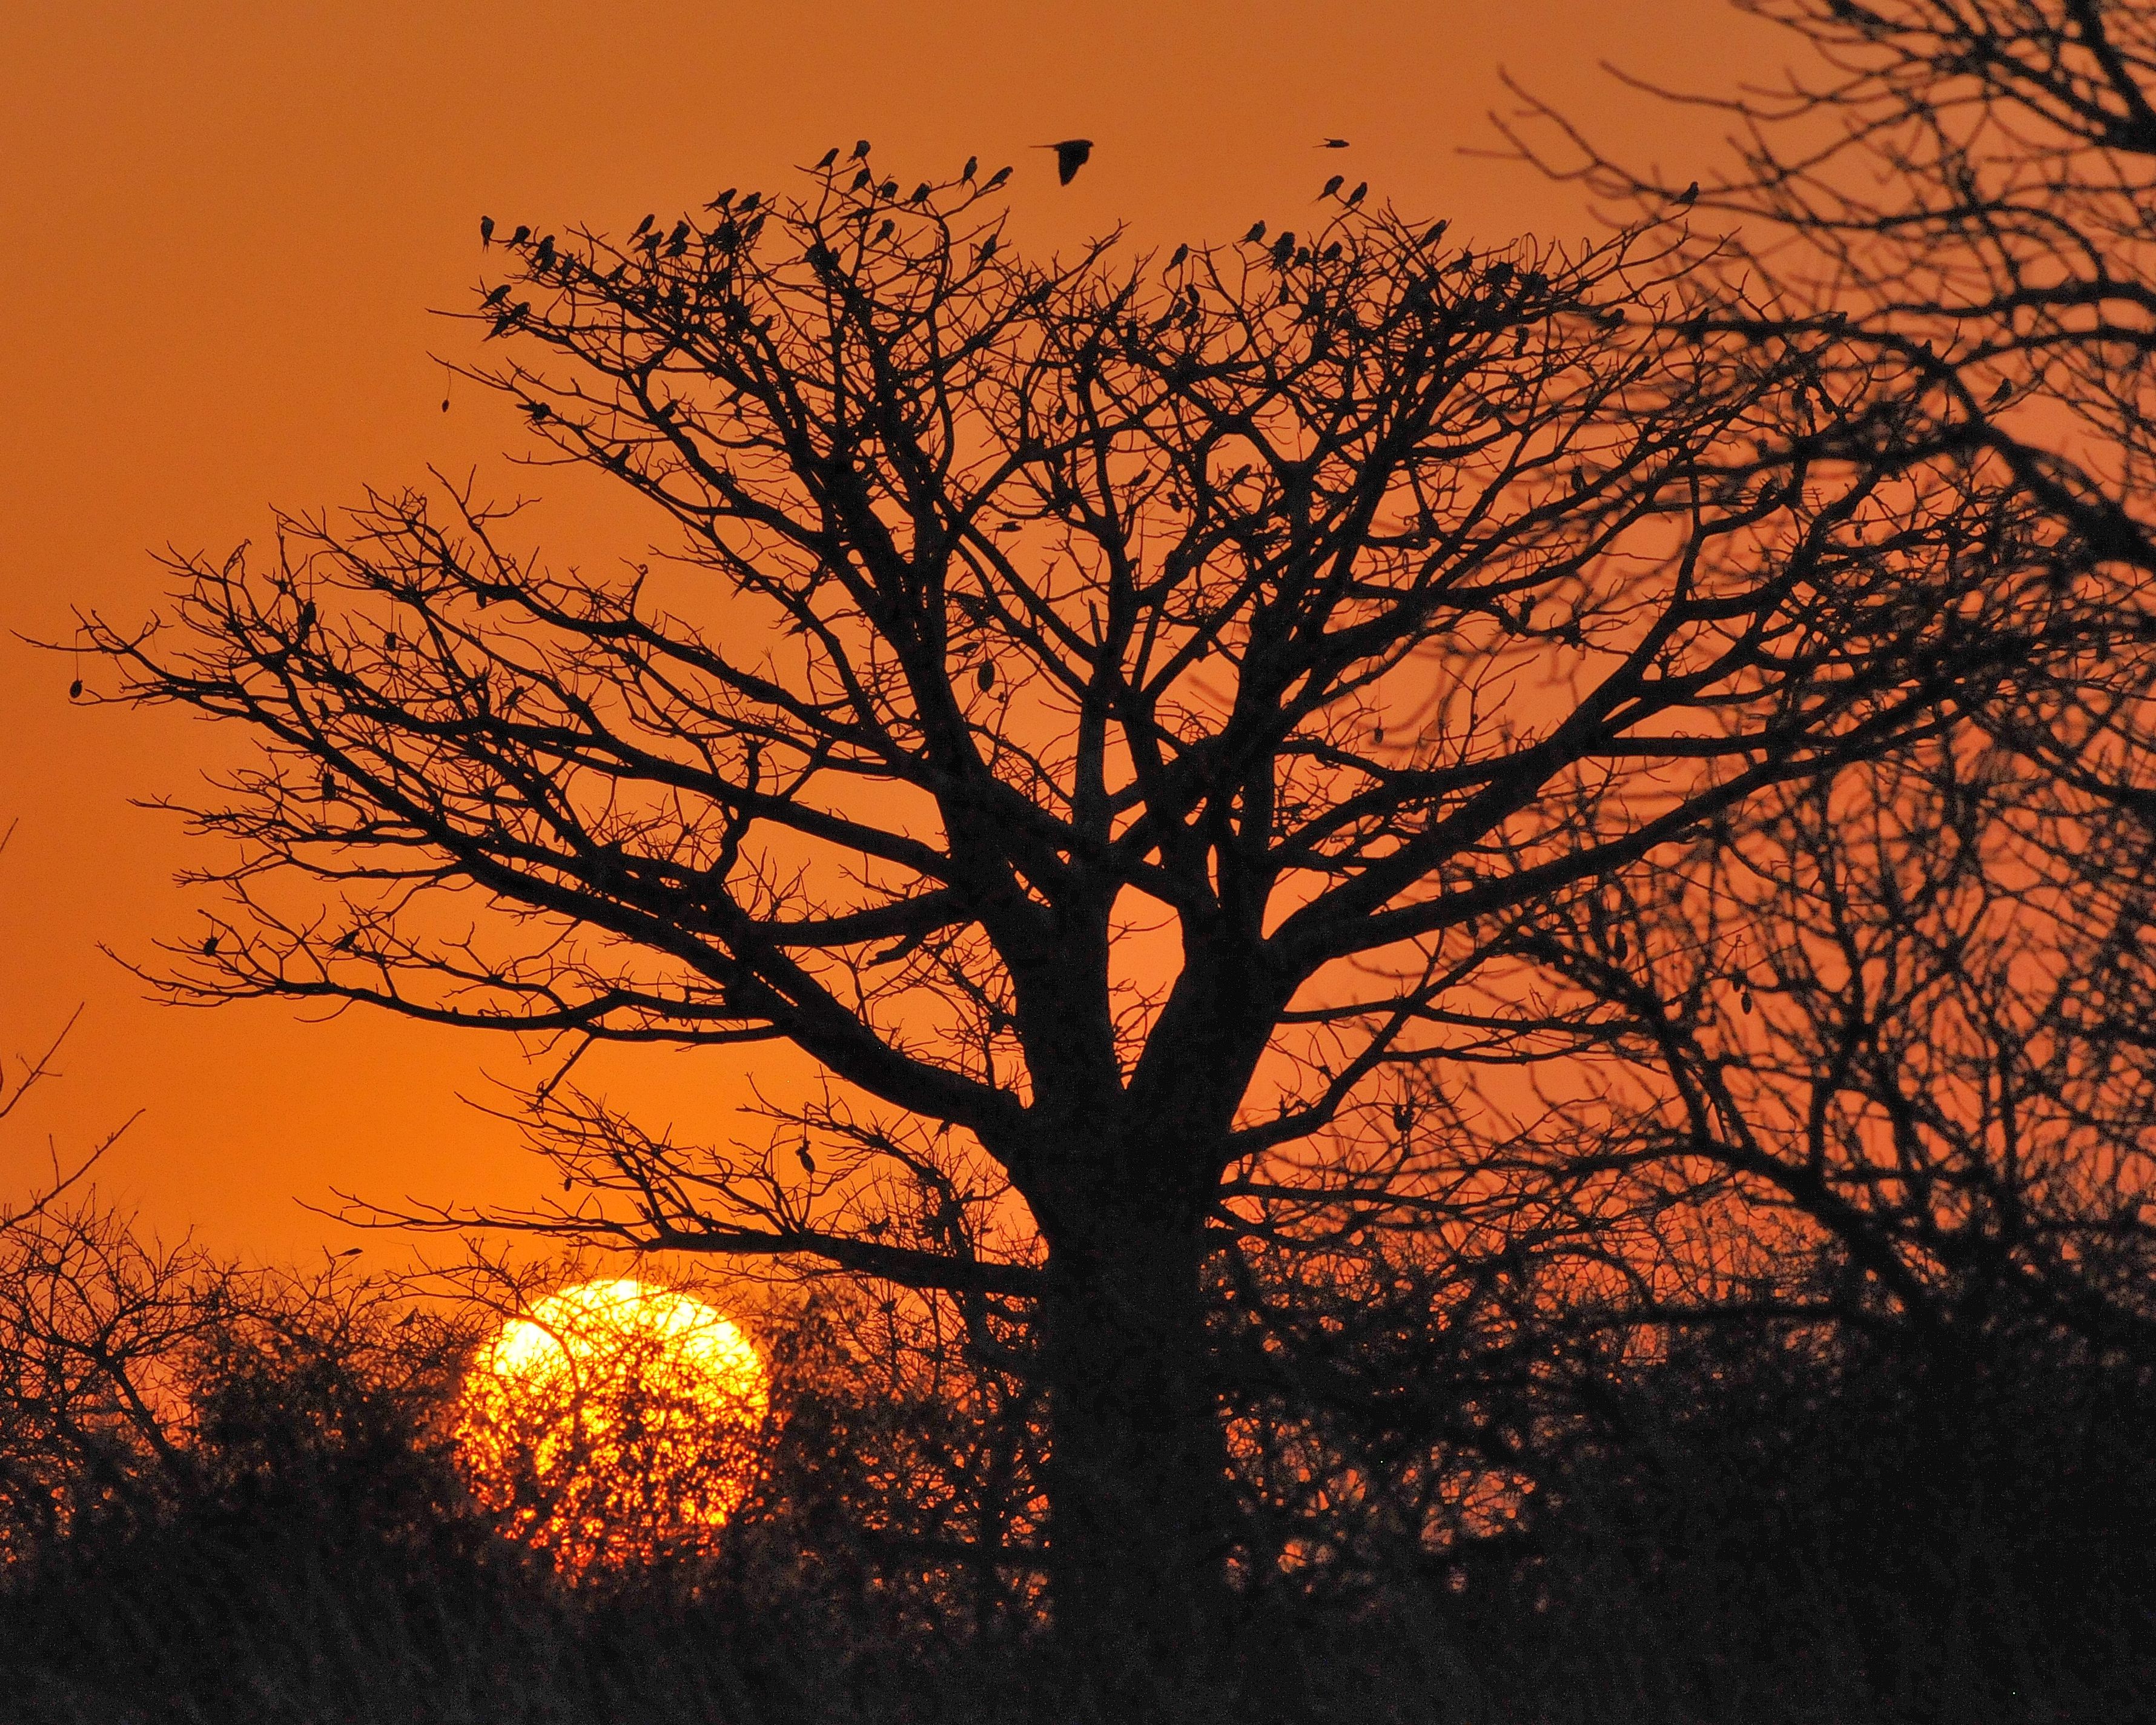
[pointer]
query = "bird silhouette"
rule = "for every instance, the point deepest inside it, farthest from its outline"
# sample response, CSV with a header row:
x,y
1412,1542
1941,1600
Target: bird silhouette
x,y
1176,257
486,230
520,235
808,1161
209,948
643,227
1333,143
886,231
1435,233
973,164
1331,185
986,677
830,155
75,689
1257,234
1071,154
861,179
748,203
1687,197
997,178
921,192
1361,192
2000,395
860,149
544,255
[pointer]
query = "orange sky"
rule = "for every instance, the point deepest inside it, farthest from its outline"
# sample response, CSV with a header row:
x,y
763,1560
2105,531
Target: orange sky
x,y
225,225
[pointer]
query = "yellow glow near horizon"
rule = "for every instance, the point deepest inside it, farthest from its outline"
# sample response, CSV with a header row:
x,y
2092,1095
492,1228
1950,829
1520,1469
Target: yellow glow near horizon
x,y
614,1422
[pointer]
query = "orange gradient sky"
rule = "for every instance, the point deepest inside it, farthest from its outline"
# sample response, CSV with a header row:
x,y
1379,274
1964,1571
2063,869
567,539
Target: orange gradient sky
x,y
225,226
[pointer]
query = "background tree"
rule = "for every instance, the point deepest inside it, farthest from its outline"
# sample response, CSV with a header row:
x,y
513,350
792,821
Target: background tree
x,y
1120,720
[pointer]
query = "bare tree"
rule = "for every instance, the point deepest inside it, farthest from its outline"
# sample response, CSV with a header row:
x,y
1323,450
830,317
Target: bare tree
x,y
1964,185
1112,716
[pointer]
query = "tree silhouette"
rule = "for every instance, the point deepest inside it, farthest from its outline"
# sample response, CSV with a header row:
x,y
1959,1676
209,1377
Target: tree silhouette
x,y
1121,722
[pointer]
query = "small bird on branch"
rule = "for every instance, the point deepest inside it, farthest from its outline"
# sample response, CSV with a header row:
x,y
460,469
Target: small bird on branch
x,y
1071,154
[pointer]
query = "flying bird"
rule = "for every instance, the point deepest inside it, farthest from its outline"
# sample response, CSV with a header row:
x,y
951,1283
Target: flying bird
x,y
1331,185
1071,154
1687,197
1333,143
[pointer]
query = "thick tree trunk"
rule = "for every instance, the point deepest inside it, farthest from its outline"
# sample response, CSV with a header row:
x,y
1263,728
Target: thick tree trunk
x,y
1137,1474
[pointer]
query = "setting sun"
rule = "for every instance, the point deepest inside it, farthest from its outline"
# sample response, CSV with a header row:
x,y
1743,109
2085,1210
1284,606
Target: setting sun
x,y
612,1423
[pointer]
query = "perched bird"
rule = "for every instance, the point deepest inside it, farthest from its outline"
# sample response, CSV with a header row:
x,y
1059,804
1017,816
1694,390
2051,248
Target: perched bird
x,y
329,787
520,235
209,948
346,941
808,1161
987,250
2000,395
748,203
886,231
495,296
75,689
486,230
544,255
986,677
921,192
306,621
1333,143
1071,154
1358,195
860,149
1175,258
680,232
973,162
1687,197
1435,233
861,179
830,155
723,201
1332,185
1283,248
642,228
997,178
1257,234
